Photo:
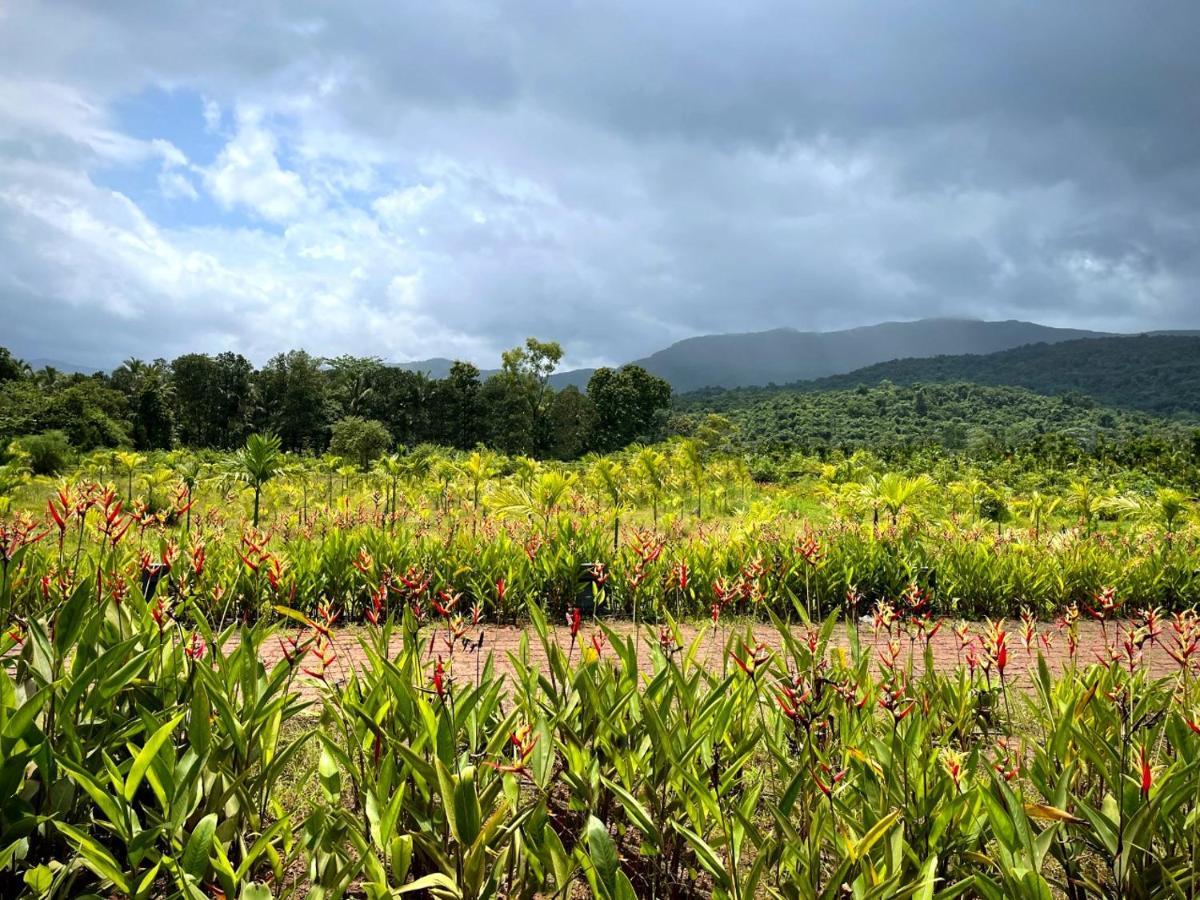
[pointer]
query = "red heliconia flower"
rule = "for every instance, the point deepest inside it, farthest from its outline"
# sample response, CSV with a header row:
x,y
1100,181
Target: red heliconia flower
x,y
501,587
324,652
962,633
853,599
445,603
158,612
1028,630
376,611
952,761
809,550
1193,724
198,559
715,612
666,640
599,574
915,598
195,647
523,741
439,679
364,562
834,779
574,620
1147,775
1152,623
1106,604
790,701
1008,760
291,649
60,518
753,659
599,641
681,575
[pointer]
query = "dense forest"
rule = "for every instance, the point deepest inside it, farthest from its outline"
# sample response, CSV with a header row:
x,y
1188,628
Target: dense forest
x,y
356,406
1154,373
954,416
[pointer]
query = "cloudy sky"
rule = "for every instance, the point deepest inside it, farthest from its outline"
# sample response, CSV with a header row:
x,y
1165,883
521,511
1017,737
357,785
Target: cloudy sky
x,y
444,178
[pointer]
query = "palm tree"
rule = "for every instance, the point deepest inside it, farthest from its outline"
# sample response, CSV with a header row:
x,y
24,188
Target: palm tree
x,y
1171,507
329,464
896,491
257,463
1040,507
609,476
392,467
547,495
1165,509
479,467
1086,501
691,455
130,462
651,465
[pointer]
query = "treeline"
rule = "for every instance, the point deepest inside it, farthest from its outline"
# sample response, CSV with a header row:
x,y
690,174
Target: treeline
x,y
969,417
1158,374
198,400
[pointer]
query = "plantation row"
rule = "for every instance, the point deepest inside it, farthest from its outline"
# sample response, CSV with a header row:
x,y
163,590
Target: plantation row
x,y
146,755
677,528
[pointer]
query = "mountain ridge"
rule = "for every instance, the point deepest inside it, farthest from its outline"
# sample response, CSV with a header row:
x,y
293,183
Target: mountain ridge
x,y
785,355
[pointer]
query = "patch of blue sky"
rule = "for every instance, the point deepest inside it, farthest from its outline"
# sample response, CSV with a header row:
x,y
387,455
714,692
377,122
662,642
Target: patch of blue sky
x,y
170,196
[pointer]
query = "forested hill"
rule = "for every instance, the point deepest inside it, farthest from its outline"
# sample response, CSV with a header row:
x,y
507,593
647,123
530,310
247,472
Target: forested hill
x,y
1158,374
952,415
788,355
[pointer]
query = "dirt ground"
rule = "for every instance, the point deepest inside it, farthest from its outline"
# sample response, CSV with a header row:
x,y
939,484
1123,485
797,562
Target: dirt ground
x,y
501,641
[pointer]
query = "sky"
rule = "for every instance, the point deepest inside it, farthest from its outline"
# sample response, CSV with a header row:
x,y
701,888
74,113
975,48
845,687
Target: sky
x,y
416,179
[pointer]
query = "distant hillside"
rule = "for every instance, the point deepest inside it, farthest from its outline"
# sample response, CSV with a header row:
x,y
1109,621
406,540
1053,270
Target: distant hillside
x,y
1157,374
952,415
786,355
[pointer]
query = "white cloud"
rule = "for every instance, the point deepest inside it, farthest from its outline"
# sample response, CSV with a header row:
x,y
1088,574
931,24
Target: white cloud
x,y
453,178
247,173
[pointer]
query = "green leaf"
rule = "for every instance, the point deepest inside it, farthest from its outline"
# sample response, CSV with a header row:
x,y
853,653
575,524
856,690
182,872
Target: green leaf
x,y
199,845
146,756
23,718
434,882
602,851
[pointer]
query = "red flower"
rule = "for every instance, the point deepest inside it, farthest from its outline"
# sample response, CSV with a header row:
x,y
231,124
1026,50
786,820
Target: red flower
x,y
834,779
574,620
1146,773
195,647
439,679
754,659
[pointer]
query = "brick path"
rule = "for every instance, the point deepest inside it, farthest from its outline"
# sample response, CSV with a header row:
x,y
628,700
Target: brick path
x,y
500,641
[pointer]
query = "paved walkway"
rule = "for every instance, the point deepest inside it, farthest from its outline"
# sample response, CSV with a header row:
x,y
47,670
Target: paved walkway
x,y
500,641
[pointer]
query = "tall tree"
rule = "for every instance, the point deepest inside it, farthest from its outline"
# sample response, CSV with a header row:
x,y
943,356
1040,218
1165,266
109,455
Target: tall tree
x,y
150,394
630,404
455,407
214,399
295,401
519,396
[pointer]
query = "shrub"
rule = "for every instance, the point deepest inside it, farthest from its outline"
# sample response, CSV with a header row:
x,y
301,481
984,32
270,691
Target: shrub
x,y
48,453
359,439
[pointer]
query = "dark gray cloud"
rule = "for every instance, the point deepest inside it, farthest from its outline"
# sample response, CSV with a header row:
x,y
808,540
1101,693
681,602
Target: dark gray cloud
x,y
415,179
